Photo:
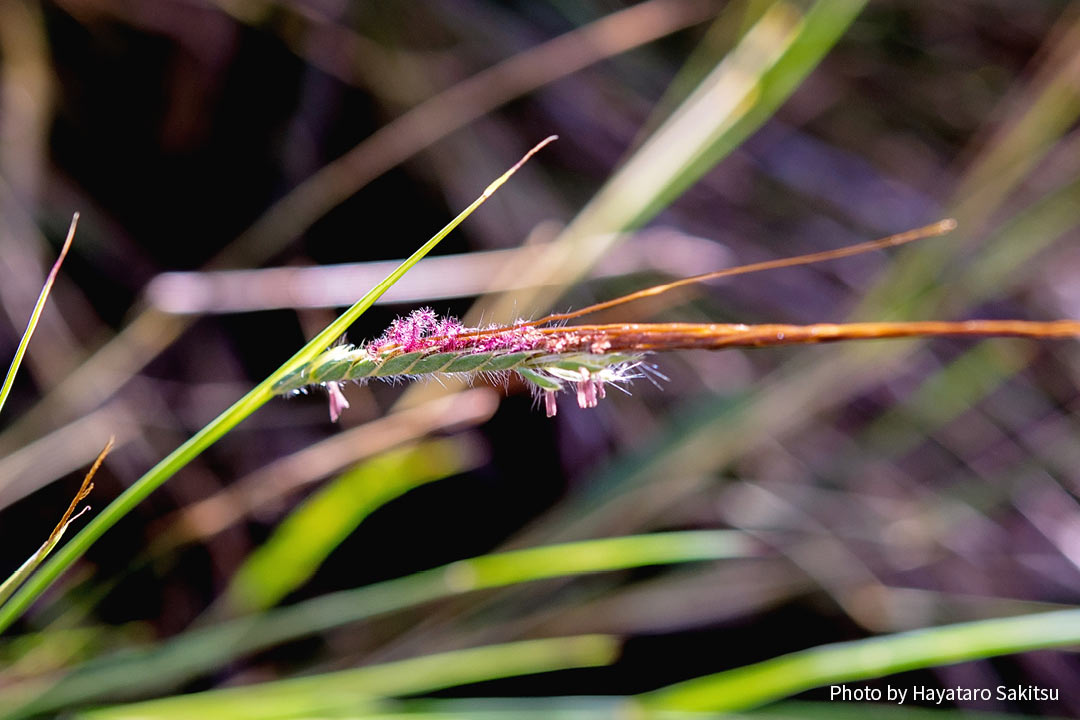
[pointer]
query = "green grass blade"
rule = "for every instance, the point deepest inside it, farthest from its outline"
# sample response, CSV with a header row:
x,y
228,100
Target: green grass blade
x,y
755,78
799,710
302,541
349,691
15,579
739,95
24,571
606,707
224,422
200,651
24,342
944,396
753,685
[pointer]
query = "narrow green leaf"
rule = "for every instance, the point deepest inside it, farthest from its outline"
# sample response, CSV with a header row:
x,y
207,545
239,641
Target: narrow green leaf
x,y
226,421
753,685
20,351
17,578
762,71
735,98
350,691
199,651
301,542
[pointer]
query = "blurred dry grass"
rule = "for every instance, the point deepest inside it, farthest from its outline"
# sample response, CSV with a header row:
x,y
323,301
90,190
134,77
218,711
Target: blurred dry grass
x,y
898,484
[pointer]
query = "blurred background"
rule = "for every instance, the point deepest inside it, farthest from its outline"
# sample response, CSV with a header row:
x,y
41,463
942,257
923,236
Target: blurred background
x,y
885,486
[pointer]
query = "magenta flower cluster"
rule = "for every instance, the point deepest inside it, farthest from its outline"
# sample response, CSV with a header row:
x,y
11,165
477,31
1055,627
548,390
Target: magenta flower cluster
x,y
424,330
415,331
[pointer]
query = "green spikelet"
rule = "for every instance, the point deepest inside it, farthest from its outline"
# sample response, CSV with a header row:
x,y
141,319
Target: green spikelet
x,y
423,344
543,370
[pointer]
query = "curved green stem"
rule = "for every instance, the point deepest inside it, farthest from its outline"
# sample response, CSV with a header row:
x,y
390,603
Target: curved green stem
x,y
223,423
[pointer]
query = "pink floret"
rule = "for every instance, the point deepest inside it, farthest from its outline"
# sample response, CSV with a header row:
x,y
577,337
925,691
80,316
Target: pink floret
x,y
446,331
514,339
423,330
408,333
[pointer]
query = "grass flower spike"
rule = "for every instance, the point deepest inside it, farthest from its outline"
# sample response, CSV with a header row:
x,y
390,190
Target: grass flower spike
x,y
590,357
423,344
314,353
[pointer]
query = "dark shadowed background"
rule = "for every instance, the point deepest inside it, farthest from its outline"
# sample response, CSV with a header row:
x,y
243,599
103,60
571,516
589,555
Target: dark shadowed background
x,y
895,487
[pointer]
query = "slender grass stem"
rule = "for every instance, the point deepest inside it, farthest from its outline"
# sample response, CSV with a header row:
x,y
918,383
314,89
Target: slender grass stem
x,y
651,337
24,342
591,356
223,423
939,228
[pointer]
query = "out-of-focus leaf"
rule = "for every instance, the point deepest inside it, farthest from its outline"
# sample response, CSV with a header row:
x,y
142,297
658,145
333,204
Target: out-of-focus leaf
x,y
353,691
751,685
311,532
231,417
743,91
196,652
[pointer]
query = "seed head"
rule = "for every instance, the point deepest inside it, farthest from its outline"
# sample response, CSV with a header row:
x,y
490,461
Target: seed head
x,y
423,343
